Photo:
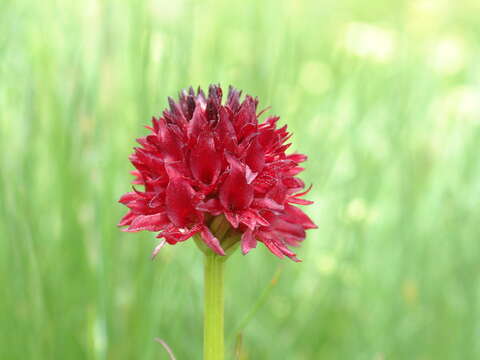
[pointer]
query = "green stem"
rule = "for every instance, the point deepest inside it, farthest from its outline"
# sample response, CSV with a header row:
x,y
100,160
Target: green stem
x,y
213,336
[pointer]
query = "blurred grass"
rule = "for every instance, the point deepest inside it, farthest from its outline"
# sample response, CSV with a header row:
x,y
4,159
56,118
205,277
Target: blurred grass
x,y
383,96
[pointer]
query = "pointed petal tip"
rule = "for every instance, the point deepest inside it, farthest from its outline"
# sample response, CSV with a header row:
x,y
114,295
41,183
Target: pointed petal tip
x,y
249,242
157,250
211,241
246,250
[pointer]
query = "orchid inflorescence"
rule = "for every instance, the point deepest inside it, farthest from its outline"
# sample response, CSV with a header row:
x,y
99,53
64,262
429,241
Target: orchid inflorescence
x,y
204,159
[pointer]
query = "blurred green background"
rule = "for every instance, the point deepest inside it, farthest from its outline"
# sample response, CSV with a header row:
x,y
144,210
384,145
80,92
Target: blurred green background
x,y
384,96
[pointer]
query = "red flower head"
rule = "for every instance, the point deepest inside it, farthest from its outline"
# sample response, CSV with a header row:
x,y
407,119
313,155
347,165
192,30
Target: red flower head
x,y
203,159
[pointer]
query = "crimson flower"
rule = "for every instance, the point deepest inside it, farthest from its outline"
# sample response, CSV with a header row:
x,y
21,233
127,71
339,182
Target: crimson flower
x,y
204,159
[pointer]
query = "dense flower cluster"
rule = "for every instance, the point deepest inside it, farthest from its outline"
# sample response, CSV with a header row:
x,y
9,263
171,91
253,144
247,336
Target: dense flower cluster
x,y
203,159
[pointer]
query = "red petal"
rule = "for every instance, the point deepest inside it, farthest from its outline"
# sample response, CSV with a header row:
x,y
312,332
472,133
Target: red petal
x,y
295,171
140,206
170,146
248,219
273,248
233,98
211,206
178,200
233,219
187,103
198,124
267,203
246,115
205,162
298,158
305,192
247,132
128,197
235,192
255,157
285,251
155,124
174,234
127,219
177,114
157,200
248,241
294,200
260,219
211,241
226,136
278,193
295,230
155,222
295,215
279,249
293,184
